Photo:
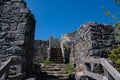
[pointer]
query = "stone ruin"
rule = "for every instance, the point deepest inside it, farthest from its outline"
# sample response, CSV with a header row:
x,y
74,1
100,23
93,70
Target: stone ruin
x,y
17,26
91,39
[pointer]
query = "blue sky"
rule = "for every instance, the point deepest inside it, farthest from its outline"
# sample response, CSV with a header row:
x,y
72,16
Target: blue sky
x,y
56,17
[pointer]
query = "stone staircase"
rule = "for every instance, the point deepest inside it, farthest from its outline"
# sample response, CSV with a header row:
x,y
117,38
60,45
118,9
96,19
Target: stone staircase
x,y
54,72
56,55
57,58
57,70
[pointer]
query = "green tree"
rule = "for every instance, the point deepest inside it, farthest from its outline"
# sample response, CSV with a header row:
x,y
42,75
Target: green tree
x,y
115,57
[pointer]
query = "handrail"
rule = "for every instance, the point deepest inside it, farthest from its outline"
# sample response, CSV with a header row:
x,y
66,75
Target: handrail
x,y
112,71
5,67
62,51
95,75
92,75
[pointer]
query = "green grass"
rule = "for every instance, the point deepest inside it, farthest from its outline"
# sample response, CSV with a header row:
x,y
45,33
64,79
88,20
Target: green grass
x,y
70,69
47,62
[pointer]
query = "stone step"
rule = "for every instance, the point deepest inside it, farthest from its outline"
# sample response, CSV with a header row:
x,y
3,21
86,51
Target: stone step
x,y
58,66
57,56
53,69
56,72
58,61
56,75
54,78
53,60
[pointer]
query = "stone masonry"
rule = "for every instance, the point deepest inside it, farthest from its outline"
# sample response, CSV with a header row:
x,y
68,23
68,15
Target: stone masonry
x,y
94,39
91,39
40,50
17,26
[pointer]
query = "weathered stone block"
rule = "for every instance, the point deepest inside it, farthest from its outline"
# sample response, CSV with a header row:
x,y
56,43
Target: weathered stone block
x,y
17,43
22,26
24,10
19,4
19,37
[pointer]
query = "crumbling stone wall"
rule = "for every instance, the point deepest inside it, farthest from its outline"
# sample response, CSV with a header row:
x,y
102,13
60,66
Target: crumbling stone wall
x,y
91,39
40,51
17,26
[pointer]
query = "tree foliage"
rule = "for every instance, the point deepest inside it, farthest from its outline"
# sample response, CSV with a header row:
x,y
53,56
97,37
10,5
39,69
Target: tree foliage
x,y
114,56
114,16
117,1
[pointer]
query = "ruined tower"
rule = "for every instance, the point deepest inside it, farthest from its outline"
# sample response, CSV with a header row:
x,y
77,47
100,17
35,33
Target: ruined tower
x,y
17,26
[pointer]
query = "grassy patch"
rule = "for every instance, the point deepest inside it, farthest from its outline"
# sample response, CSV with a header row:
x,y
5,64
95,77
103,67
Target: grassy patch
x,y
70,69
47,62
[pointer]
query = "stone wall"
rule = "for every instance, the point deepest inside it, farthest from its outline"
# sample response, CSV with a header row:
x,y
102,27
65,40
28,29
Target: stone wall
x,y
91,39
67,41
69,37
17,26
40,51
